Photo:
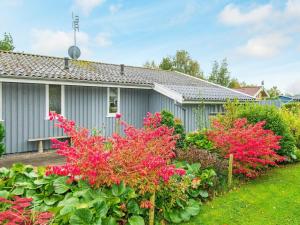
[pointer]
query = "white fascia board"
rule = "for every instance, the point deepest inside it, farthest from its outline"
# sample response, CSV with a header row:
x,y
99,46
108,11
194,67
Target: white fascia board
x,y
71,83
168,92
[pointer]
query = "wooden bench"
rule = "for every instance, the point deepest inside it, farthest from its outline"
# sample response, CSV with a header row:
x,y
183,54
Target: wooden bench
x,y
40,141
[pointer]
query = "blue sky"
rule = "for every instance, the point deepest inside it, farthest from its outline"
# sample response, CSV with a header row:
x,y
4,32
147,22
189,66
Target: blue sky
x,y
260,39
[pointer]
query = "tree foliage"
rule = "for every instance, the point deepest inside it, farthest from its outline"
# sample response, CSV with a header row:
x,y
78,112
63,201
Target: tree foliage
x,y
220,73
274,92
6,44
150,65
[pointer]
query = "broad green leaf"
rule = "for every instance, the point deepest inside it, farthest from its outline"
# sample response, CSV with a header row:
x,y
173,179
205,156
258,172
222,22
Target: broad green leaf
x,y
136,220
175,217
193,207
101,208
118,190
133,207
18,191
109,221
60,185
184,214
203,194
4,194
51,200
41,181
67,209
81,217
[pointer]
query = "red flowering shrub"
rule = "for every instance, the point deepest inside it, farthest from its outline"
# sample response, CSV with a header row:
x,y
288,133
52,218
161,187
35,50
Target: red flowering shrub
x,y
253,148
19,213
140,158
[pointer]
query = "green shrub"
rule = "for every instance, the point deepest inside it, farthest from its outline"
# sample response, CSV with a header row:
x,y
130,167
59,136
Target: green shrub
x,y
274,121
256,113
199,140
2,135
168,119
297,153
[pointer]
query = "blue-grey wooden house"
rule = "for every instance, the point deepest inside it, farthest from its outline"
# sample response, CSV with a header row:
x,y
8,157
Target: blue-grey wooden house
x,y
91,93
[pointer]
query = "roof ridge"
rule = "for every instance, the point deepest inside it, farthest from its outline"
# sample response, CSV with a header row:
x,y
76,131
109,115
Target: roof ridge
x,y
84,60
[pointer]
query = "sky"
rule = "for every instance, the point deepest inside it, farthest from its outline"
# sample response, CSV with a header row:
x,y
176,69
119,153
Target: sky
x,y
260,39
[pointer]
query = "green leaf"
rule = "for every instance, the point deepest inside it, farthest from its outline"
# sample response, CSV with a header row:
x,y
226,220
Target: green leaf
x,y
67,209
185,215
81,217
51,200
18,191
60,185
118,190
136,220
41,182
203,194
4,194
175,217
109,221
193,207
101,208
133,207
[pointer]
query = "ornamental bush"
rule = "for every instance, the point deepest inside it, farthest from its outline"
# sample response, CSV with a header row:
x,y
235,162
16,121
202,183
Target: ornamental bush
x,y
141,158
254,149
256,113
2,135
168,119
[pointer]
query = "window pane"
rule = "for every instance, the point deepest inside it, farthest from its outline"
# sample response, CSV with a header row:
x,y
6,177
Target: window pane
x,y
113,100
55,98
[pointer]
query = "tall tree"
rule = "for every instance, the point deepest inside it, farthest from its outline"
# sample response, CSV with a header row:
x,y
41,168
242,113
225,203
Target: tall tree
x,y
220,73
7,44
166,63
274,92
234,83
150,65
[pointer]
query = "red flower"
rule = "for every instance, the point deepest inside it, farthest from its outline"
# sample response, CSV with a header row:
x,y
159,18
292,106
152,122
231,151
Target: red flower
x,y
118,115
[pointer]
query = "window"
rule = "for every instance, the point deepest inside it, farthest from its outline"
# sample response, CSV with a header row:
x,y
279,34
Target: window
x,y
55,95
113,101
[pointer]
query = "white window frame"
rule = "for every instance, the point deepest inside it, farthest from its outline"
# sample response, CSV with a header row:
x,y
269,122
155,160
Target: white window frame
x,y
1,118
62,101
118,105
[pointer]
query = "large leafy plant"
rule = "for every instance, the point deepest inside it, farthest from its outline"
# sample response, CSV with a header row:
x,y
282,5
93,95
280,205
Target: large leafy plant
x,y
253,147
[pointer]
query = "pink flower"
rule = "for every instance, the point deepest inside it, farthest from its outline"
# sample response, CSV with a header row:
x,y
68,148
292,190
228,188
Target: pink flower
x,y
118,115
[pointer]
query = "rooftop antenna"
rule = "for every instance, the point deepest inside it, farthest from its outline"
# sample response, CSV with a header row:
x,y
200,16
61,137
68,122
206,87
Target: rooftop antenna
x,y
74,51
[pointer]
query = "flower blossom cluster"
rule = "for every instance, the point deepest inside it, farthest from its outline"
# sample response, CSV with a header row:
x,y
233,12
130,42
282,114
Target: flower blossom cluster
x,y
140,158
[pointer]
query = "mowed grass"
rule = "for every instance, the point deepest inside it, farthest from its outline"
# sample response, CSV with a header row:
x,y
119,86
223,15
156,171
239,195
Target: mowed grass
x,y
273,199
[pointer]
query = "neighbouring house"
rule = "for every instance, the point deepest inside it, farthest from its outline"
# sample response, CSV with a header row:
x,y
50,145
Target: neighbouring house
x,y
257,92
296,98
91,93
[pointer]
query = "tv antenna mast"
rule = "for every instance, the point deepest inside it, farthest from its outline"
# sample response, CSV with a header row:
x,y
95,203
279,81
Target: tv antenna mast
x,y
74,51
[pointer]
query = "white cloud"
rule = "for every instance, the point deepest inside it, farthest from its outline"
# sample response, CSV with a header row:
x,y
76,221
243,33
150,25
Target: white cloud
x,y
232,15
86,6
292,8
51,42
103,39
115,8
264,46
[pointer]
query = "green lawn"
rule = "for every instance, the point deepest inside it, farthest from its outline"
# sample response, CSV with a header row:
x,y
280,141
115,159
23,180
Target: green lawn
x,y
269,200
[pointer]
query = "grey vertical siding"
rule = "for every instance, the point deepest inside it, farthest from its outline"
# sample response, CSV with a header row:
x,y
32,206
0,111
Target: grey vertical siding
x,y
24,116
24,112
186,112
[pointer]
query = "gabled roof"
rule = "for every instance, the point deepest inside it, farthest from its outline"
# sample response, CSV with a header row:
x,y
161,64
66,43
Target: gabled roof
x,y
186,88
252,91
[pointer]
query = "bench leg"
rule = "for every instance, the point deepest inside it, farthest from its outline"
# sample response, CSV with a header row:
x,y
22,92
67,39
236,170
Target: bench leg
x,y
40,146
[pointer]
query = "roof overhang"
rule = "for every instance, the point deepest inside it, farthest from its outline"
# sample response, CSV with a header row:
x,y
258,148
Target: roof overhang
x,y
73,82
168,92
